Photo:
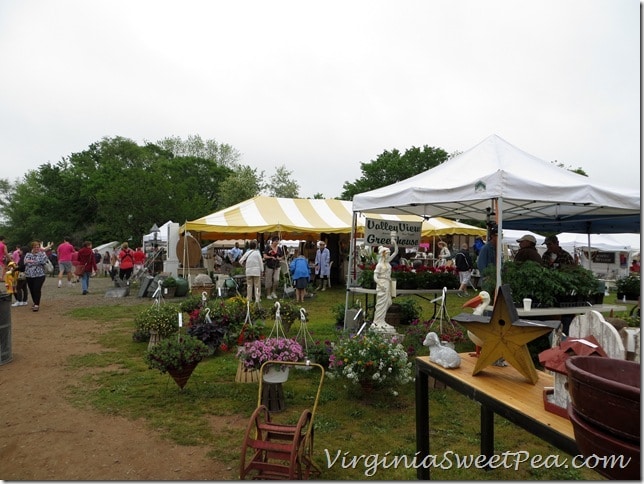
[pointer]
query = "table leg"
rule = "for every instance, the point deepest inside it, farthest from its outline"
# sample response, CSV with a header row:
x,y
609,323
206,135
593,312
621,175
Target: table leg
x,y
422,422
487,431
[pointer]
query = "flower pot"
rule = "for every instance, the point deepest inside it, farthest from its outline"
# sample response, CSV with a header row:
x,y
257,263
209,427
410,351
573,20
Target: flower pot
x,y
154,338
182,376
169,291
275,374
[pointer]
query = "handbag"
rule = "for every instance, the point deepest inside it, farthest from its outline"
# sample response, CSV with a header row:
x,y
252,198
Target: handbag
x,y
79,269
49,267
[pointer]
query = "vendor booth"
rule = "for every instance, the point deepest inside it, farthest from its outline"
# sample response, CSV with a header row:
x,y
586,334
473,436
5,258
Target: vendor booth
x,y
498,183
308,220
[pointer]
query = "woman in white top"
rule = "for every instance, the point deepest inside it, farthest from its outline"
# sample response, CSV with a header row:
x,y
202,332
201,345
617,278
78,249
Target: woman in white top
x,y
253,261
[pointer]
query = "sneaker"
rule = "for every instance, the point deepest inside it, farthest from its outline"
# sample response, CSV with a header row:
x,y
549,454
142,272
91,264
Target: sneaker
x,y
24,303
16,304
270,296
274,296
60,283
84,293
35,308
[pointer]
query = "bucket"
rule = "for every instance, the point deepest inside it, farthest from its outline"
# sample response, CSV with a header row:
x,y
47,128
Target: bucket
x,y
5,329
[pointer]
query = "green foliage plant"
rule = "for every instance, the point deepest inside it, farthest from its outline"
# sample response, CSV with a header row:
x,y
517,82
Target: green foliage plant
x,y
169,282
409,308
628,285
176,353
369,359
289,312
162,318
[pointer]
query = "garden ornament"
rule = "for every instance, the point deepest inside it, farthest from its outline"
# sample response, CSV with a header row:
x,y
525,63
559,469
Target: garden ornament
x,y
441,354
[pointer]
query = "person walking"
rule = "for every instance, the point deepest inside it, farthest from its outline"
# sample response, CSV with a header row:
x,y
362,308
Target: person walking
x,y
322,266
254,266
126,262
65,251
87,260
299,268
22,291
11,281
273,255
463,262
35,270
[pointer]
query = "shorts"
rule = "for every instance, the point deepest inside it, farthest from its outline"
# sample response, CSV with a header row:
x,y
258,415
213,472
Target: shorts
x,y
464,277
301,283
65,266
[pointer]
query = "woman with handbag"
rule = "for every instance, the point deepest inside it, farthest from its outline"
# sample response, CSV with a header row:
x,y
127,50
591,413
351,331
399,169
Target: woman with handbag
x,y
35,262
87,261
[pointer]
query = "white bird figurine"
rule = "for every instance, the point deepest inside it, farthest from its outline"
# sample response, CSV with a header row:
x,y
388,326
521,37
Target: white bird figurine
x,y
479,302
441,354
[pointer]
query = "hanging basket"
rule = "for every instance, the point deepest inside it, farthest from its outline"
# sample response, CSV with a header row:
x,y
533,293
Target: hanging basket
x,y
275,374
182,376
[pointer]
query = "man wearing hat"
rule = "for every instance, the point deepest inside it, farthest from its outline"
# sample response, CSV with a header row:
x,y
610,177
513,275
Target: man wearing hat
x,y
527,250
555,256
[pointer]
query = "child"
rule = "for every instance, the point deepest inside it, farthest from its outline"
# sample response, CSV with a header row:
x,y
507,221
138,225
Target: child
x,y
11,280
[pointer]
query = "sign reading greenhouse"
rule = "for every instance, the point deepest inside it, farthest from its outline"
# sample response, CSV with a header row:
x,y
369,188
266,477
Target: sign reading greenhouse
x,y
379,232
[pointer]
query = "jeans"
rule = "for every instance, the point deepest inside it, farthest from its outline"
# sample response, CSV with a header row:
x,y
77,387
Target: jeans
x,y
85,281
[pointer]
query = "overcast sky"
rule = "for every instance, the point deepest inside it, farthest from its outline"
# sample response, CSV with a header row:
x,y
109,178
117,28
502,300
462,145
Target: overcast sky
x,y
320,86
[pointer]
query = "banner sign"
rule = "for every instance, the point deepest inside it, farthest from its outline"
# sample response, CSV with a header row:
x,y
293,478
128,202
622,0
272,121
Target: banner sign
x,y
378,232
604,257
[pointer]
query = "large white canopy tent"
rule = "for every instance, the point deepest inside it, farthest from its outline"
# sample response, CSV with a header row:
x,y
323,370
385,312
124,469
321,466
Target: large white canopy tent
x,y
496,181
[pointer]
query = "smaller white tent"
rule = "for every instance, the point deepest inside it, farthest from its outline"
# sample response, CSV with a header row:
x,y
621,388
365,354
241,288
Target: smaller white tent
x,y
162,235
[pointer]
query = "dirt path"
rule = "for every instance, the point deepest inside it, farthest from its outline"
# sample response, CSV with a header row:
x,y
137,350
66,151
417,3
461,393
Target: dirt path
x,y
42,437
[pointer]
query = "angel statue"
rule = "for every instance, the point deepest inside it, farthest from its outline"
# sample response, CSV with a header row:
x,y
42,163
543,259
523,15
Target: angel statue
x,y
382,278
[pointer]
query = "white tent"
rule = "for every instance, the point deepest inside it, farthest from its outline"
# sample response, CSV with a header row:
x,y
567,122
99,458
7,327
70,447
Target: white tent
x,y
496,181
162,235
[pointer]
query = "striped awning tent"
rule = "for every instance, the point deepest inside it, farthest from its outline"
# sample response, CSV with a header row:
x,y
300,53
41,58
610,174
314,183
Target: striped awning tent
x,y
300,217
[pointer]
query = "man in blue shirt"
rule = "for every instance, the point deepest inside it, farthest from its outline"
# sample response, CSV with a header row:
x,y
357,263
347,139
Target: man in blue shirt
x,y
487,256
235,253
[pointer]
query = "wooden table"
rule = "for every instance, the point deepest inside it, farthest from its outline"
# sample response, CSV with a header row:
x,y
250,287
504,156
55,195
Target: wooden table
x,y
499,390
556,311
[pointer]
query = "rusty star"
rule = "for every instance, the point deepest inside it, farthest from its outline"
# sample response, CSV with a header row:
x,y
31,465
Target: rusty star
x,y
506,336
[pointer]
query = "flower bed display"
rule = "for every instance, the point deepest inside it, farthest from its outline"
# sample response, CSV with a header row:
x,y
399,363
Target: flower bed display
x,y
407,277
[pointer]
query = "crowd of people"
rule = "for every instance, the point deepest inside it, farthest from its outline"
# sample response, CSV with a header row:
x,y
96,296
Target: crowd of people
x,y
25,270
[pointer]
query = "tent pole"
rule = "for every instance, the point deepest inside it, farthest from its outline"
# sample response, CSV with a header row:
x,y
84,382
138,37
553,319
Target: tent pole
x,y
499,243
350,265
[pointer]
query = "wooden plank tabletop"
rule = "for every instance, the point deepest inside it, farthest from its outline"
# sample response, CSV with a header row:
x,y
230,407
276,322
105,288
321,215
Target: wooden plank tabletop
x,y
508,386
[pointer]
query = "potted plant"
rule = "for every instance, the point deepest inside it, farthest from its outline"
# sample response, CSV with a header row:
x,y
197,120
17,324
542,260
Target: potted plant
x,y
629,287
158,321
371,361
169,285
289,312
177,356
255,353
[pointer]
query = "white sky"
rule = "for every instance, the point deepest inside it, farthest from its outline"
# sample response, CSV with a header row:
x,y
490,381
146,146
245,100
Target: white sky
x,y
320,86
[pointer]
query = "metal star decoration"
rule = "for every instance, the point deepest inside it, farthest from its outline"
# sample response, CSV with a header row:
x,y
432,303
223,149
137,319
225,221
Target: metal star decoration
x,y
505,335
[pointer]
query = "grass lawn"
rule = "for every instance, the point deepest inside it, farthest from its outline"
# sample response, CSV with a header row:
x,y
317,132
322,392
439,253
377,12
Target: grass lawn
x,y
352,431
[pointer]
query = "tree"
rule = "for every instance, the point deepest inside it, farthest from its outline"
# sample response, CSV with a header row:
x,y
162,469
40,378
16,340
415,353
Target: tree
x,y
195,147
244,183
281,184
391,167
115,189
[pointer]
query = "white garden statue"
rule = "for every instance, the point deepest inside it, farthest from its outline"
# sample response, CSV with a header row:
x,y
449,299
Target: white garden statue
x,y
382,278
441,354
